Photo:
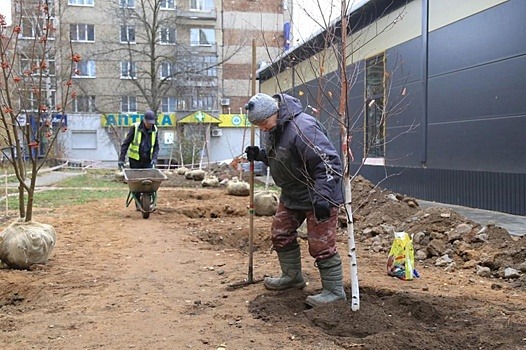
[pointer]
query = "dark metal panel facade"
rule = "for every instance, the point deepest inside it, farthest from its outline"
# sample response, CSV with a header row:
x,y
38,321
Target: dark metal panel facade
x,y
476,107
496,34
504,192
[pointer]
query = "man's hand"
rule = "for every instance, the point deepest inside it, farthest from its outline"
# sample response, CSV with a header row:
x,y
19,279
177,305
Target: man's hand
x,y
322,210
252,153
120,164
153,163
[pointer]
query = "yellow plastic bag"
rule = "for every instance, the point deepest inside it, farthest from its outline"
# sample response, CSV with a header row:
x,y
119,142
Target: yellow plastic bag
x,y
401,258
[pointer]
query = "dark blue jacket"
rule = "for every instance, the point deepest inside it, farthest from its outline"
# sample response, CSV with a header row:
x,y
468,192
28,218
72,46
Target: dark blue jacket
x,y
303,162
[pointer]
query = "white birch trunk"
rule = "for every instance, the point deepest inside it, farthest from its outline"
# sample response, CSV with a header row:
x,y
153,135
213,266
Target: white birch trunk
x,y
355,291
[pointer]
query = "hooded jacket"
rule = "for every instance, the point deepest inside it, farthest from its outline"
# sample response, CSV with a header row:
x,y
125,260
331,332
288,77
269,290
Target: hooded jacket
x,y
303,162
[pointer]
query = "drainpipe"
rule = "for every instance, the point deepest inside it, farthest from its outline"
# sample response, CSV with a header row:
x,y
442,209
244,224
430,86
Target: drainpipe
x,y
425,65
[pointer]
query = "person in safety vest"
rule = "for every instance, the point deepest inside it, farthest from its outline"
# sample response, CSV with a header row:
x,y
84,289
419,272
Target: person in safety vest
x,y
141,144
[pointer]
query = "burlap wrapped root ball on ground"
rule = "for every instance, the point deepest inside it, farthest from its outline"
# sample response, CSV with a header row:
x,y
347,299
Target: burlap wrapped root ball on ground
x,y
210,181
236,187
266,203
23,244
196,175
182,170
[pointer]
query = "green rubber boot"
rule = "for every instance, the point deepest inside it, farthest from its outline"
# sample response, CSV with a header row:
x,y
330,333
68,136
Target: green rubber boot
x,y
331,280
291,277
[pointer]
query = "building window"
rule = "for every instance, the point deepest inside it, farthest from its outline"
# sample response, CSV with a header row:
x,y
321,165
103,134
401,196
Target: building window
x,y
129,4
166,70
29,100
84,69
202,37
28,29
128,70
83,103
81,2
206,65
201,5
181,104
129,104
32,28
32,67
84,139
374,107
167,4
167,35
82,32
203,102
168,104
128,34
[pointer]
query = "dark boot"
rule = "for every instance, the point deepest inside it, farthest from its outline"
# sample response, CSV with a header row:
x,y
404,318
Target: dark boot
x,y
331,280
291,277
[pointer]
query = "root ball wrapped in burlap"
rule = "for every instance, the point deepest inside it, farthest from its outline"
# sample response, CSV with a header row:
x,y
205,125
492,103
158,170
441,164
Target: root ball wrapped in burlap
x,y
23,244
266,203
196,175
236,187
182,170
210,181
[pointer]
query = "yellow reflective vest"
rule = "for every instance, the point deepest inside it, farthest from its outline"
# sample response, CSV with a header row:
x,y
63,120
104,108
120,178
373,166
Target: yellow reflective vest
x,y
133,150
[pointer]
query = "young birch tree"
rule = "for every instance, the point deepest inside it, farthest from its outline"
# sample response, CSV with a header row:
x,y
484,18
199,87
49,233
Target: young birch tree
x,y
327,94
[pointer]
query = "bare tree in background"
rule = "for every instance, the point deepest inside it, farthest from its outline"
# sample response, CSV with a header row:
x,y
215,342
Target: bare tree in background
x,y
156,54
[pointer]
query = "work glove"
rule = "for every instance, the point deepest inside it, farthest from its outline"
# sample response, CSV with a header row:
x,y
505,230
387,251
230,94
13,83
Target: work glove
x,y
322,210
153,163
120,164
252,153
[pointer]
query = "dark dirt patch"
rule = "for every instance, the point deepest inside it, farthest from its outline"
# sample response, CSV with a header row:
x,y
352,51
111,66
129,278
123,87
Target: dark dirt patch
x,y
388,319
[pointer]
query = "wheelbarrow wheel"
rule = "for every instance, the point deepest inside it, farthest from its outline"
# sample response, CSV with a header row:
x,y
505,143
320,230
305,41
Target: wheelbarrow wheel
x,y
145,202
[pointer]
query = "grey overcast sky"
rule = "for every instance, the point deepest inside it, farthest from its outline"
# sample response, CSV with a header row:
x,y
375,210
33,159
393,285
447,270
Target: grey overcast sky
x,y
5,9
312,16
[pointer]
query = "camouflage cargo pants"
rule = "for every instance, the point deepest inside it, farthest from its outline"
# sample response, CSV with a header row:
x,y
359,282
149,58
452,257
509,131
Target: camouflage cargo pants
x,y
321,236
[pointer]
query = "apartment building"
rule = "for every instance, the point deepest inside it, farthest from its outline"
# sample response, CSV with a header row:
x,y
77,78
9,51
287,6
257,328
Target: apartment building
x,y
190,61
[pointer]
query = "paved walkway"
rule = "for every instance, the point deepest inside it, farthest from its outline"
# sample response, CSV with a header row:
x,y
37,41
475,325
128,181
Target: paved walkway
x,y
46,179
53,177
514,224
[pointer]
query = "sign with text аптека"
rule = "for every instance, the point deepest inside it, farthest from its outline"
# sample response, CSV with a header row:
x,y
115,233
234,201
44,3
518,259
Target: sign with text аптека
x,y
163,120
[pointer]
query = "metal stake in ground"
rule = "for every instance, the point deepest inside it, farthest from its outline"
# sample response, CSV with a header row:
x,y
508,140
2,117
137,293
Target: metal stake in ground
x,y
250,278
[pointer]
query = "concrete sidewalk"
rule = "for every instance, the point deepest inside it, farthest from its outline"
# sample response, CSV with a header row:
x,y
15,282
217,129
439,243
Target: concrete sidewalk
x,y
46,179
514,224
53,177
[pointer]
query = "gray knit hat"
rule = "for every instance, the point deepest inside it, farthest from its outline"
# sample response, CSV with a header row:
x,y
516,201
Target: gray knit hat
x,y
260,107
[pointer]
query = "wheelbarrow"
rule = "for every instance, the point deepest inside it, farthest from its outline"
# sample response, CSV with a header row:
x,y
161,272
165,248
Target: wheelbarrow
x,y
143,185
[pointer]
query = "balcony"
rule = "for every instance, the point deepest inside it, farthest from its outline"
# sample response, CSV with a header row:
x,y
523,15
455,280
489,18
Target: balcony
x,y
210,14
197,82
197,48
